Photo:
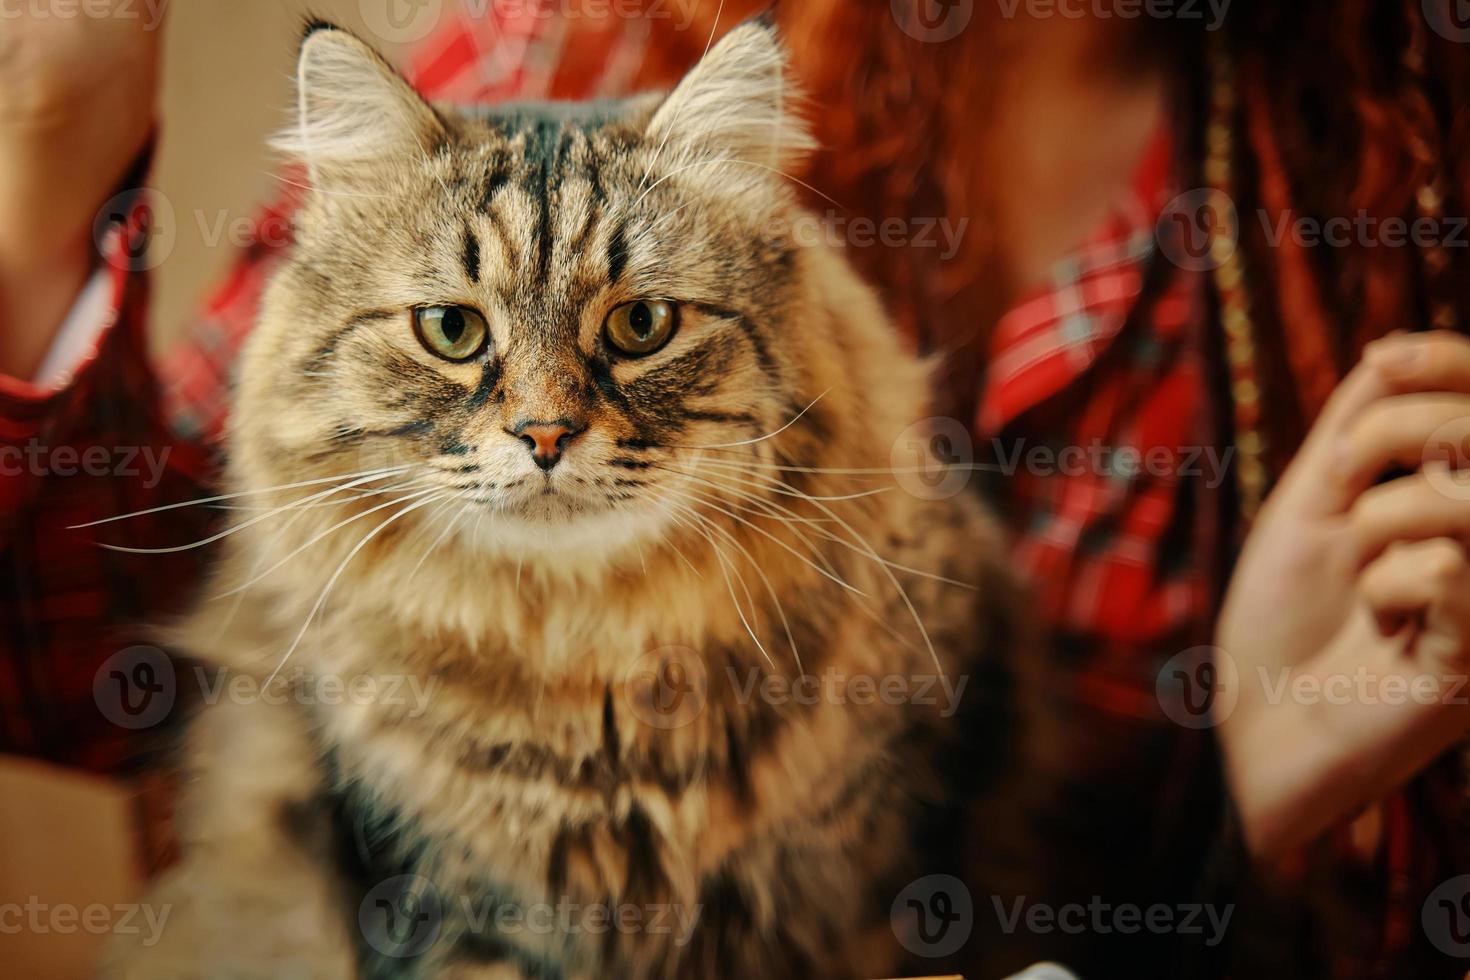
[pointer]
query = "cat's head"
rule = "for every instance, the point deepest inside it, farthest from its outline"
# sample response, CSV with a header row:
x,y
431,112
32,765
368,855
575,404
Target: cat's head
x,y
540,312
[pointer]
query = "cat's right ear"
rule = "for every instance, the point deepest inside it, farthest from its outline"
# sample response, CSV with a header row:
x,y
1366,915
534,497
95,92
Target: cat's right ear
x,y
353,109
738,104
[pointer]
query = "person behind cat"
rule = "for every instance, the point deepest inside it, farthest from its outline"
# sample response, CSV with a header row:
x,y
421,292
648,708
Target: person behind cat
x,y
1061,326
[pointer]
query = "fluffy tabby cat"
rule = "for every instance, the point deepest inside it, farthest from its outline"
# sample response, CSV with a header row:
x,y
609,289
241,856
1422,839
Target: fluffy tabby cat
x,y
580,439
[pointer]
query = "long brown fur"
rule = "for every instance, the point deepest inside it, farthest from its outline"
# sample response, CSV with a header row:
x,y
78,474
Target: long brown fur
x,y
732,513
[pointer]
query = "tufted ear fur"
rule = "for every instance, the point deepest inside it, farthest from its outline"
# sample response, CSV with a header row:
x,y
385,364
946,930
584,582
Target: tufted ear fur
x,y
738,103
353,108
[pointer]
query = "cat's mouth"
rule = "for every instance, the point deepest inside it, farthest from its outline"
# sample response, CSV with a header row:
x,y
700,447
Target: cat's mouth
x,y
570,492
554,498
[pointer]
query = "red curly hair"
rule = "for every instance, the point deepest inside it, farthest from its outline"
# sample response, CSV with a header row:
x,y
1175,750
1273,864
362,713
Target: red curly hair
x,y
1346,108
1349,111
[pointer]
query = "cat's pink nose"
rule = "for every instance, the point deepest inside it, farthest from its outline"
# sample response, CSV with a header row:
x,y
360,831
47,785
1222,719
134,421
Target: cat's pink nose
x,y
546,440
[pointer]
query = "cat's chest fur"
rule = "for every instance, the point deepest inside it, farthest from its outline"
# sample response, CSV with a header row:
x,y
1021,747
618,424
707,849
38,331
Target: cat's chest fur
x,y
494,748
685,777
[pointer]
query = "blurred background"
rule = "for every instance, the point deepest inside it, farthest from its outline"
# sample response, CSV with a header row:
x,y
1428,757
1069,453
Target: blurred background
x,y
213,163
214,167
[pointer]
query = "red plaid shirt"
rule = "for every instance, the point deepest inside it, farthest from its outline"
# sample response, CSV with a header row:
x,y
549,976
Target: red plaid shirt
x,y
97,447
1127,562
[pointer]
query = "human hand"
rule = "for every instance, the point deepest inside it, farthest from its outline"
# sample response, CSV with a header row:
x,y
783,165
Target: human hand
x,y
1359,595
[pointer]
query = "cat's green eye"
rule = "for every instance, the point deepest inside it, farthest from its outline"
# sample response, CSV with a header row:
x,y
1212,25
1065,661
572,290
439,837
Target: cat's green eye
x,y
641,327
455,333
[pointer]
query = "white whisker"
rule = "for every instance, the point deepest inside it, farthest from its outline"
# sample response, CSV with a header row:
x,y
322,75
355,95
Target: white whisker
x,y
766,485
340,524
769,435
327,589
464,508
762,531
234,529
765,580
709,42
724,565
243,493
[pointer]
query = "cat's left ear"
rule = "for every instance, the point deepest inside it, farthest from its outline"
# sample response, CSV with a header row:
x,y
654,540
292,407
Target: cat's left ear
x,y
738,103
353,108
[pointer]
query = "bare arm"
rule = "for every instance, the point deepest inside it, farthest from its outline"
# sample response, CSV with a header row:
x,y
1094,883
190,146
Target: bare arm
x,y
76,109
